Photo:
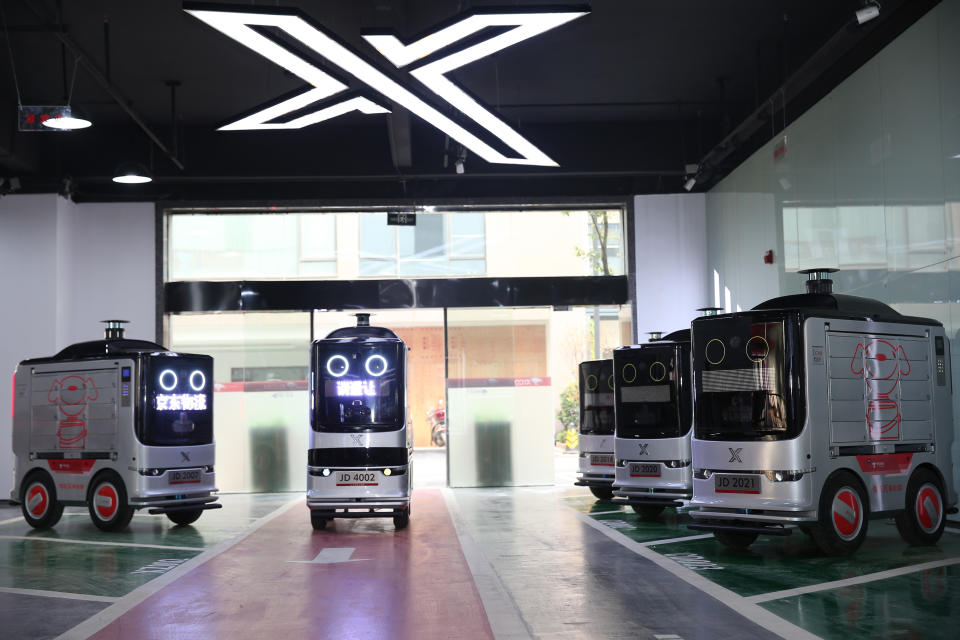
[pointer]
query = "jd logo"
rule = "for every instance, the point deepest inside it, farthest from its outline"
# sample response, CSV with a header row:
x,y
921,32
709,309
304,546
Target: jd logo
x,y
357,439
185,456
269,32
735,454
643,449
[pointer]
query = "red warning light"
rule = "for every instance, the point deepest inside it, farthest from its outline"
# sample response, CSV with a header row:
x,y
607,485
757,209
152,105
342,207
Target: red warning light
x,y
768,257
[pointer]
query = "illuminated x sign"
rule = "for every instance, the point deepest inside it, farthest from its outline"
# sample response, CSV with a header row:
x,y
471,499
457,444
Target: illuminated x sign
x,y
257,30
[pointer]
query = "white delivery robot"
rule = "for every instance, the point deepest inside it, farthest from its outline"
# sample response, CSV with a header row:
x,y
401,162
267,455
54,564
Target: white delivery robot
x,y
654,412
359,462
820,411
116,425
596,428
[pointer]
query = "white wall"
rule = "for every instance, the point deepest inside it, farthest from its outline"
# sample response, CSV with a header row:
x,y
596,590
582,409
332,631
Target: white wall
x,y
670,252
64,267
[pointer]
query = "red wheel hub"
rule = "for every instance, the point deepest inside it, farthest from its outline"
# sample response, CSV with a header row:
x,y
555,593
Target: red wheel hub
x,y
105,501
37,500
928,508
847,513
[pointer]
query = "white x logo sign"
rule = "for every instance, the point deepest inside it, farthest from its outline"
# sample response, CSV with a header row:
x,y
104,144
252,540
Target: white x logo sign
x,y
248,28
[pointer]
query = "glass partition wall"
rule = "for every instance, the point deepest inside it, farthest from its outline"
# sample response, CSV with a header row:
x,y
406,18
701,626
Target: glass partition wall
x,y
497,373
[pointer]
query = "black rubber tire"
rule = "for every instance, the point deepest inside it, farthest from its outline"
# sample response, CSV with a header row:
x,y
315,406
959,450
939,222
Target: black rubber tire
x,y
401,521
834,534
649,511
602,493
107,502
917,525
185,517
318,521
40,485
735,539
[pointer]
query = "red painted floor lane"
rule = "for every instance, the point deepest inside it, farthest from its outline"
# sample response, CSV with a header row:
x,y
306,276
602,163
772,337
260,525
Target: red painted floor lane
x,y
401,584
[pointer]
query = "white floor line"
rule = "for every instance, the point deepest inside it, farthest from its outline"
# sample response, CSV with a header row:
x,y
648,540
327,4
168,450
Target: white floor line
x,y
104,543
57,594
753,612
94,624
504,617
9,520
837,584
605,513
672,540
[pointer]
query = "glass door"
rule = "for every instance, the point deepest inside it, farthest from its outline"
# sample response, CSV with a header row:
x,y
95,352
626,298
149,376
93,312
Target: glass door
x,y
500,397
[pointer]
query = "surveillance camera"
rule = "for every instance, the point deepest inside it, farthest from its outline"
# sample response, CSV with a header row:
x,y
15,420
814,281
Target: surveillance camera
x,y
868,13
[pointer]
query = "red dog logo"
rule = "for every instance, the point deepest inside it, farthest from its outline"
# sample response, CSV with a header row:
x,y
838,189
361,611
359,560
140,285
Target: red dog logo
x,y
882,365
71,394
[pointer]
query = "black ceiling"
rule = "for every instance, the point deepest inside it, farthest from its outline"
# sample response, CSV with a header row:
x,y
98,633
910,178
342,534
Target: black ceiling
x,y
621,99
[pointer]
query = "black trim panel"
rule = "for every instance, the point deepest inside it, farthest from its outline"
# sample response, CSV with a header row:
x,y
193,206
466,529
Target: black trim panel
x,y
276,295
358,457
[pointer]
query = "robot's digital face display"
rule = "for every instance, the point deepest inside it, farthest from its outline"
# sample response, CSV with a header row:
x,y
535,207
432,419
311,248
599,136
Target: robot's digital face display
x,y
596,397
742,391
178,401
647,392
359,385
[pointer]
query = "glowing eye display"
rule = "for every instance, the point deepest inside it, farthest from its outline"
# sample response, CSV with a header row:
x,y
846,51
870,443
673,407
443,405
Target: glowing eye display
x,y
337,366
376,365
168,380
591,382
757,348
197,380
715,351
657,371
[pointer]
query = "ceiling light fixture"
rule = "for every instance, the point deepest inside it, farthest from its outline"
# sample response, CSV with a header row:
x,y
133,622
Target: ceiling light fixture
x,y
689,184
238,25
869,11
67,121
132,173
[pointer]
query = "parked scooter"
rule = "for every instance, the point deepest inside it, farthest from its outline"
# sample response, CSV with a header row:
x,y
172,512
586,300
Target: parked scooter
x,y
437,418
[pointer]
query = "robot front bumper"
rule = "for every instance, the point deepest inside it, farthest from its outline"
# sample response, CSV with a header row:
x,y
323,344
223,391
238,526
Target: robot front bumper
x,y
358,492
595,469
651,484
770,507
175,490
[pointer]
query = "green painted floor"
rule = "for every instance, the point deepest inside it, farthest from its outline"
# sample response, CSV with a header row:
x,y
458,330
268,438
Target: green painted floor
x,y
76,557
918,604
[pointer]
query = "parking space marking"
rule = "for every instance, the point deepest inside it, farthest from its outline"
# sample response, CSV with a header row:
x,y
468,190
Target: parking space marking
x,y
752,611
606,513
97,622
101,543
9,520
672,540
837,584
57,594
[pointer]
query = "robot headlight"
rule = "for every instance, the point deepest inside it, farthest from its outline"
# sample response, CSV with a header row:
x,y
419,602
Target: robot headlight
x,y
337,365
197,380
168,380
376,365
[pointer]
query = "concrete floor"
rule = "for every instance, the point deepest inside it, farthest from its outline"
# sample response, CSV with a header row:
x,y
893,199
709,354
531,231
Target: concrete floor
x,y
531,562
